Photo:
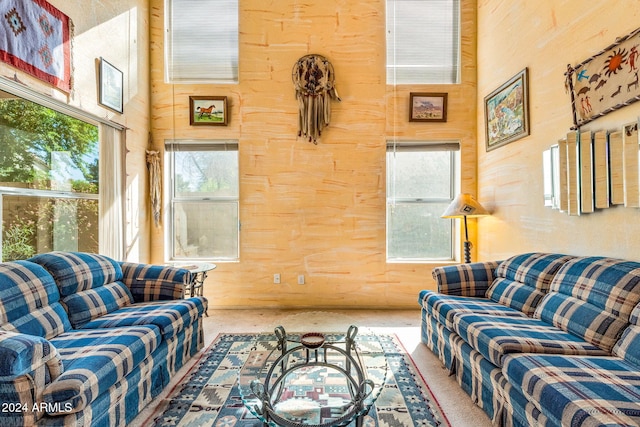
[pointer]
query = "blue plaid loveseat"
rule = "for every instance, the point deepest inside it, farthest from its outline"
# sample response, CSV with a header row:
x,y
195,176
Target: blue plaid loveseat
x,y
541,339
88,341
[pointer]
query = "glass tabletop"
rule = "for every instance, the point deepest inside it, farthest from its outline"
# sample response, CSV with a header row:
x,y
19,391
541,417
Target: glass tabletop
x,y
196,267
313,379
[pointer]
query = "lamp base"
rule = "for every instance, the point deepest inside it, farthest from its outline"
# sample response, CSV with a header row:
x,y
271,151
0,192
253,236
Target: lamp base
x,y
467,251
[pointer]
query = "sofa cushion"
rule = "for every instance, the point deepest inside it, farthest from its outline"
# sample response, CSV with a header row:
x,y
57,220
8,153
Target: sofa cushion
x,y
74,272
29,301
469,279
496,336
170,316
445,307
578,391
89,284
95,360
154,282
85,306
628,346
523,280
592,298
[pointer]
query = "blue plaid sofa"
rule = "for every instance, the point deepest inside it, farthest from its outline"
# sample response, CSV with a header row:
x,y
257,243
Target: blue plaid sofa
x,y
541,339
88,341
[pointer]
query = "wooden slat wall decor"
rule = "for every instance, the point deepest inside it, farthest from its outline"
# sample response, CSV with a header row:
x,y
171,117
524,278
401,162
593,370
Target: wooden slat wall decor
x,y
563,194
601,170
586,172
573,173
616,162
631,167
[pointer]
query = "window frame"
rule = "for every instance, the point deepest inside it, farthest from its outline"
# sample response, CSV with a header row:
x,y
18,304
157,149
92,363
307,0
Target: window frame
x,y
172,199
453,147
111,238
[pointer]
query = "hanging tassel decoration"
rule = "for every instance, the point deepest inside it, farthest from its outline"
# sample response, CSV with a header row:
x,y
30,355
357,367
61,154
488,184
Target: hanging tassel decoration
x,y
155,183
313,79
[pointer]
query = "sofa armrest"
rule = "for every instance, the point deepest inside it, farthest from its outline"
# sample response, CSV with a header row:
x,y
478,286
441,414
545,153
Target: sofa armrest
x,y
28,364
468,280
154,282
21,354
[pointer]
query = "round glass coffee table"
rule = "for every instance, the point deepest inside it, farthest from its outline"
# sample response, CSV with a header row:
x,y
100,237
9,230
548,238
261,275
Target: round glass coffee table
x,y
313,379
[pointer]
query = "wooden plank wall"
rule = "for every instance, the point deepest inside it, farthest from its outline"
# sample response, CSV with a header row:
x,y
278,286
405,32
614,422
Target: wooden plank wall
x,y
545,36
317,210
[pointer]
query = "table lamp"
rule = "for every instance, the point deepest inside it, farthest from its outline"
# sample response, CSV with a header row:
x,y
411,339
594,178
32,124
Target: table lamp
x,y
465,205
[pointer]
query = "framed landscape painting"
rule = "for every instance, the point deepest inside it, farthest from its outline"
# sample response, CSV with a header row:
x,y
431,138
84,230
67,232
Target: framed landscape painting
x,y
208,111
110,86
428,107
506,112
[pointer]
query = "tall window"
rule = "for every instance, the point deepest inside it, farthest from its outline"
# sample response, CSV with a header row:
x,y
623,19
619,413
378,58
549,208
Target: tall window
x,y
204,200
423,41
49,180
421,183
201,41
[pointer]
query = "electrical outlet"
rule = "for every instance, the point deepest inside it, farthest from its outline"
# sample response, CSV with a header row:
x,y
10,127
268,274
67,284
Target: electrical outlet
x,y
276,278
301,279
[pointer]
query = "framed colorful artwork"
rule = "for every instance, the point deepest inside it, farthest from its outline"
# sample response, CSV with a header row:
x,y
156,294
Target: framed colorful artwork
x,y
506,112
428,107
208,111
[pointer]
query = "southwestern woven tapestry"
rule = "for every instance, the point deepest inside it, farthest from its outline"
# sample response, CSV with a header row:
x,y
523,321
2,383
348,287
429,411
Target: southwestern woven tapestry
x,y
37,40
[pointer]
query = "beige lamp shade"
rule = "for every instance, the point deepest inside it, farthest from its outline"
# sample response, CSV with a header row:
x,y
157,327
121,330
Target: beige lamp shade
x,y
464,205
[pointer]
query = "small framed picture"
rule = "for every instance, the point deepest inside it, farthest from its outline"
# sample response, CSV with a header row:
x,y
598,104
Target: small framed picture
x,y
506,111
110,87
208,111
428,107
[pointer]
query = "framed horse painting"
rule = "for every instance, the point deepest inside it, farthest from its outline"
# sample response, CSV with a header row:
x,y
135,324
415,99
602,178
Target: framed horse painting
x,y
208,111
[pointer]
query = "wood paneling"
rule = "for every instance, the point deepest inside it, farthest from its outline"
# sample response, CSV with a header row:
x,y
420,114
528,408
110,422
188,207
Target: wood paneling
x,y
317,210
545,36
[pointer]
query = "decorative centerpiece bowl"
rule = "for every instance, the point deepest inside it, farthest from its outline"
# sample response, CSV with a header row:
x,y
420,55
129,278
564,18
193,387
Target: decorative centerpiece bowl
x,y
312,339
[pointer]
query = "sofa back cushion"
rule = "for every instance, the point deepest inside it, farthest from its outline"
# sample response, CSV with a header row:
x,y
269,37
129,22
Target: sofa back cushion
x,y
86,306
29,301
592,298
521,281
77,271
628,346
90,284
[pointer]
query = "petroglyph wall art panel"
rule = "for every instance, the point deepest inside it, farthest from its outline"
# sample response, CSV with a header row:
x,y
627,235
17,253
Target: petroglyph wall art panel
x,y
605,82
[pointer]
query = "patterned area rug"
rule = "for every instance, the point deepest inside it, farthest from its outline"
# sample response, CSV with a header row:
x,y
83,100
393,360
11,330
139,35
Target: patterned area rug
x,y
208,395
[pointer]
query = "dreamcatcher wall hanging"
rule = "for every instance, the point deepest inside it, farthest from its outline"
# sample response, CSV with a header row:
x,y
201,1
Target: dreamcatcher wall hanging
x,y
313,79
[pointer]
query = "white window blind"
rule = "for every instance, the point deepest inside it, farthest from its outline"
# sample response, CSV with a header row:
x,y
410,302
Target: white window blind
x,y
423,41
201,41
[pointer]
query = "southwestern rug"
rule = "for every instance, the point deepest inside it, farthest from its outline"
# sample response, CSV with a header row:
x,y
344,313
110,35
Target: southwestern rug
x,y
208,394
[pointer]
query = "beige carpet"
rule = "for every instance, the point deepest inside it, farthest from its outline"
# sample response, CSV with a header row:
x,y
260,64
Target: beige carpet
x,y
457,405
